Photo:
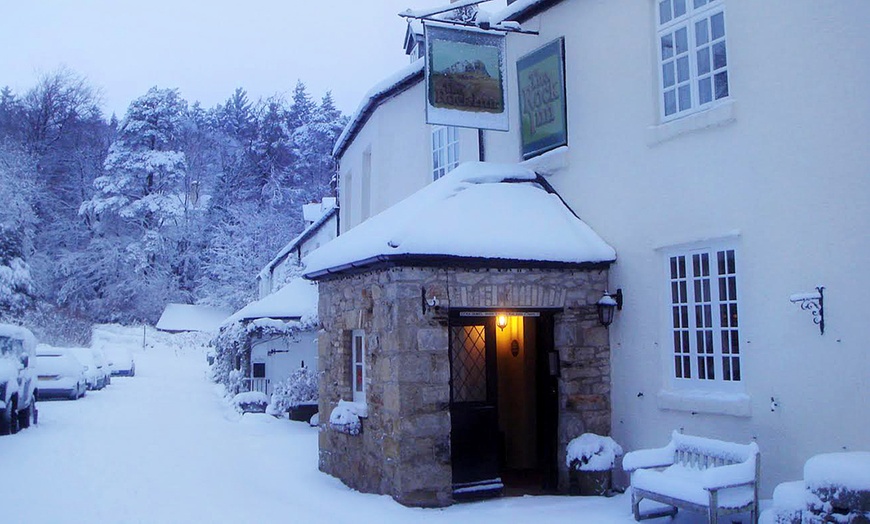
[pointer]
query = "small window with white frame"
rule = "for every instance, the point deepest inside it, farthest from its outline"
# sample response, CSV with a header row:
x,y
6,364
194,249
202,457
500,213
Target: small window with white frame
x,y
692,55
358,365
445,150
703,319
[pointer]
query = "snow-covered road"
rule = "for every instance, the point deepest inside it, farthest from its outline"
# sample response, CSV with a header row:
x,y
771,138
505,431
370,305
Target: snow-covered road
x,y
165,447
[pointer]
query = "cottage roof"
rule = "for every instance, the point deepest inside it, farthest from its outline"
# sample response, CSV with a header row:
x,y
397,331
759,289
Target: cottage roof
x,y
391,86
188,317
296,300
480,213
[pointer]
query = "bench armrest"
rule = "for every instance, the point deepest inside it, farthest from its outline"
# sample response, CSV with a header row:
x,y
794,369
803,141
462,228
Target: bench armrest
x,y
721,477
648,458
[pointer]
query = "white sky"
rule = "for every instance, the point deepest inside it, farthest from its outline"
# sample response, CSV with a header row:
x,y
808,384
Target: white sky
x,y
207,48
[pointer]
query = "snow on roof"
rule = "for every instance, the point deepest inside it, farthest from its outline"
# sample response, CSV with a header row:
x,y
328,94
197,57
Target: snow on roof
x,y
298,299
21,333
393,84
479,210
306,233
522,10
187,317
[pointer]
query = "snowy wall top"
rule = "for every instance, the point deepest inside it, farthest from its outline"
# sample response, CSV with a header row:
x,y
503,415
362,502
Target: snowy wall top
x,y
187,317
297,300
479,210
393,84
522,10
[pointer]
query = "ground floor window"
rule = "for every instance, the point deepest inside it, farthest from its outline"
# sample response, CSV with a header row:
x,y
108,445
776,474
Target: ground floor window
x,y
259,370
358,367
703,317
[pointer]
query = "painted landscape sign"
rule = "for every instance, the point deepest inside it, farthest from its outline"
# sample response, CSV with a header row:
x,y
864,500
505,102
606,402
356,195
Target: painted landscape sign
x,y
465,81
541,80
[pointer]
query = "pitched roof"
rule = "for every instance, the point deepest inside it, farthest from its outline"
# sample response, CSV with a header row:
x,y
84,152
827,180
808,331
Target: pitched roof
x,y
391,86
301,237
296,300
188,317
492,215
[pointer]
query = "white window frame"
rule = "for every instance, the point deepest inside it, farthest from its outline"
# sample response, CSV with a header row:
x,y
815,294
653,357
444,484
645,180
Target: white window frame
x,y
445,150
358,376
692,20
694,320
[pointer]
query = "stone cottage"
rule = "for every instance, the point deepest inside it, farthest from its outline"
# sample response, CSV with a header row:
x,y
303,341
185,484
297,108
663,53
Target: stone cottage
x,y
463,341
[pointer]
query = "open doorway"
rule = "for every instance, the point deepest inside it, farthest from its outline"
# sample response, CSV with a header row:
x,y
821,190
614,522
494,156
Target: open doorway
x,y
504,404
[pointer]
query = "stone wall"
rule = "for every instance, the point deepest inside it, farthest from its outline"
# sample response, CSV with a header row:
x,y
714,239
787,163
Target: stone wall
x,y
403,448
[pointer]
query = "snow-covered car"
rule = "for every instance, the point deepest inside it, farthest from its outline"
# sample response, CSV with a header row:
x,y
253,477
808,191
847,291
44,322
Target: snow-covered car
x,y
121,361
60,374
17,378
103,363
94,370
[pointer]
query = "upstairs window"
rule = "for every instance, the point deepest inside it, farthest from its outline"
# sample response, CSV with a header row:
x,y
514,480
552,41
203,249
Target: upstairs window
x,y
445,150
692,55
704,321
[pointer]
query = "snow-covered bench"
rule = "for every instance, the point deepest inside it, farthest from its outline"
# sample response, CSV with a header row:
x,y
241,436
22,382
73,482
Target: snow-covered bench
x,y
698,474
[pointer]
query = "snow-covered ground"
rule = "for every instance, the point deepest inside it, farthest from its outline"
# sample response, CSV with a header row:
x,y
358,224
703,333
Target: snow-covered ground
x,y
164,446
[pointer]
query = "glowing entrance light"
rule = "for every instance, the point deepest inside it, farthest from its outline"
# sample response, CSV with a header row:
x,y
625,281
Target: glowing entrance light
x,y
501,321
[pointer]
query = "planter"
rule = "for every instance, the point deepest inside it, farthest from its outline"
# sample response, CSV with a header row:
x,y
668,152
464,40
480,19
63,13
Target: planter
x,y
590,483
302,412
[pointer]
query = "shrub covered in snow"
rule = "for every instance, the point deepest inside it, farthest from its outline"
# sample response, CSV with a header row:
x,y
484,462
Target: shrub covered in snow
x,y
250,402
299,388
591,452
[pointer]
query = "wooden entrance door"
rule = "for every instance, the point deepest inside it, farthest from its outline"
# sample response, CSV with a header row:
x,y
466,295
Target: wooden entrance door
x,y
473,408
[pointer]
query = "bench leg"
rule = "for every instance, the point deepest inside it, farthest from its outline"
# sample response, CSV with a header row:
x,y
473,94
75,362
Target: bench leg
x,y
713,512
635,505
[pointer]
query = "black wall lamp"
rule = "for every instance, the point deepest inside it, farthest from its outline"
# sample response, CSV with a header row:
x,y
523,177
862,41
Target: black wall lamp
x,y
606,306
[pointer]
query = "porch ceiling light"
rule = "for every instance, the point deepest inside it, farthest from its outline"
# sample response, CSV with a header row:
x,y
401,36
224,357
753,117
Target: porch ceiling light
x,y
501,321
607,304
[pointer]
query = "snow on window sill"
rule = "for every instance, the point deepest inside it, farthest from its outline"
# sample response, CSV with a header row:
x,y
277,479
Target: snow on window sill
x,y
548,163
719,115
713,402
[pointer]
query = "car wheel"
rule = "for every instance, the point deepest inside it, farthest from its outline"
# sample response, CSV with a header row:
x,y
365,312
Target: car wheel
x,y
24,417
74,394
6,421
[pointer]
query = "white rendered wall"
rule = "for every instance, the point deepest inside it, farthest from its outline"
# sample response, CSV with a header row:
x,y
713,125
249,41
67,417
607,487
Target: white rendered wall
x,y
785,174
400,143
301,349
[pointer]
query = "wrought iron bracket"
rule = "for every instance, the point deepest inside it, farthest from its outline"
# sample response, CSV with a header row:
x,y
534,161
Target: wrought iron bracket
x,y
813,302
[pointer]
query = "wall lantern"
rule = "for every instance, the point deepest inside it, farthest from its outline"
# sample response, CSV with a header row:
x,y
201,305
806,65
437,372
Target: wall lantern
x,y
501,321
607,304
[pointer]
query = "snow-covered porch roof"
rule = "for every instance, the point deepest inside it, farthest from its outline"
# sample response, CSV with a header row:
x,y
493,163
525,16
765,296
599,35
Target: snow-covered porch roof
x,y
295,301
480,214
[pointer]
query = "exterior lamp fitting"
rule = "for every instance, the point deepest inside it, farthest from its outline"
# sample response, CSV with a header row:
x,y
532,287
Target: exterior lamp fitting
x,y
606,306
501,321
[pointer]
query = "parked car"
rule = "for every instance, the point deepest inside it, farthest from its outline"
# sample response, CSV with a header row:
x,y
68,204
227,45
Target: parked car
x,y
60,374
95,374
17,378
101,359
121,361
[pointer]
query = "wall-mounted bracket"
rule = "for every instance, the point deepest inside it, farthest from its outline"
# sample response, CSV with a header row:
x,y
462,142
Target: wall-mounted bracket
x,y
813,302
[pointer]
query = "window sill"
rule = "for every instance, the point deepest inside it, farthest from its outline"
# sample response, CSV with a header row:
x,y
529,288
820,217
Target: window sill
x,y
712,402
719,115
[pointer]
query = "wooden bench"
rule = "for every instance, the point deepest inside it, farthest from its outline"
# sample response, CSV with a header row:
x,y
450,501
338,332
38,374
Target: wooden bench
x,y
697,474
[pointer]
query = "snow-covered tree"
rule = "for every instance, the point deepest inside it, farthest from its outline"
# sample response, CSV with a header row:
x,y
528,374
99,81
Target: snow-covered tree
x,y
18,223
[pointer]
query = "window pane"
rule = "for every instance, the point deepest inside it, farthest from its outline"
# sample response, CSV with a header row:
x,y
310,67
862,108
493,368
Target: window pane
x,y
717,25
679,8
682,40
701,32
703,61
670,102
735,342
719,59
668,74
673,267
682,68
667,46
732,288
685,98
721,84
735,372
664,11
700,3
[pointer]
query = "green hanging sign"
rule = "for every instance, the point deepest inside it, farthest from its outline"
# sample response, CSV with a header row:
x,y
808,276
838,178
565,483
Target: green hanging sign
x,y
543,109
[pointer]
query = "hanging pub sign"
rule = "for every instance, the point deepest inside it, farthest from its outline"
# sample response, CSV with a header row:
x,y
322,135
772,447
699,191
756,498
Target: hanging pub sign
x,y
465,80
541,81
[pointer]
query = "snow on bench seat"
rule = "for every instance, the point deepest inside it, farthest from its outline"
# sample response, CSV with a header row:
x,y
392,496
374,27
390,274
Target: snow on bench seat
x,y
685,483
